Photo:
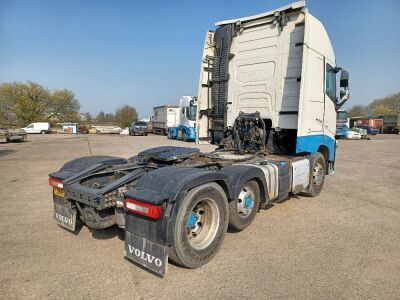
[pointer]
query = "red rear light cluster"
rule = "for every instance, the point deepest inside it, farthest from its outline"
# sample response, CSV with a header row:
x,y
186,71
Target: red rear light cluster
x,y
144,209
56,183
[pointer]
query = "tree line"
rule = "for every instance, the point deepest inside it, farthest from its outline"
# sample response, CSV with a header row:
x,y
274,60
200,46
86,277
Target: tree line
x,y
22,103
123,117
387,105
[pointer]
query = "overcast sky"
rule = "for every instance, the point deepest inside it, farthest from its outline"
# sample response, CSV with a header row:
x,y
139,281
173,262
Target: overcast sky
x,y
147,53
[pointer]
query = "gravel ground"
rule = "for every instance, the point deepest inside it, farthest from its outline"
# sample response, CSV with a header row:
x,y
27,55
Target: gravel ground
x,y
344,244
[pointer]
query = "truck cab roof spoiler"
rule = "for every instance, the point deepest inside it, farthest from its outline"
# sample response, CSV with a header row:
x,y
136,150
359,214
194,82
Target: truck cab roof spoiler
x,y
293,6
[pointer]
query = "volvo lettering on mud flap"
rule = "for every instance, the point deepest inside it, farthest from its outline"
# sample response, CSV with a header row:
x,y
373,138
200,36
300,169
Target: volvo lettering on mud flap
x,y
63,219
146,253
146,257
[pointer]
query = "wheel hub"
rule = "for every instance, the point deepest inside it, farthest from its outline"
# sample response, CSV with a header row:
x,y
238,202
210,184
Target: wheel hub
x,y
245,202
318,174
192,220
202,224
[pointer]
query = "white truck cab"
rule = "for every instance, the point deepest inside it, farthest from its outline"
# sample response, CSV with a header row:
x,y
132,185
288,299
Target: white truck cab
x,y
38,127
281,64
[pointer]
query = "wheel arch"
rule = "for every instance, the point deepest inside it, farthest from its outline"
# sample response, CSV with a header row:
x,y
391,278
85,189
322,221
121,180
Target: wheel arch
x,y
170,185
240,174
324,150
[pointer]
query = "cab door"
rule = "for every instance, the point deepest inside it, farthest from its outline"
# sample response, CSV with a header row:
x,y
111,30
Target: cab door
x,y
30,128
330,100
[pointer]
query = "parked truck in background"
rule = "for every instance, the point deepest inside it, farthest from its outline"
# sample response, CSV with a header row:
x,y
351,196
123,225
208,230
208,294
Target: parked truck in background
x,y
267,100
342,123
164,117
186,128
391,123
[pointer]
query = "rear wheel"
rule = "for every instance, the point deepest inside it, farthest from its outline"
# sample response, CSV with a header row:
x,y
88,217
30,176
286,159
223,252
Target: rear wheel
x,y
243,210
200,226
317,176
184,137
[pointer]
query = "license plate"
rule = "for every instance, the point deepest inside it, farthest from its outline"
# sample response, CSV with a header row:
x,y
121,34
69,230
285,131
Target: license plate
x,y
58,191
148,254
65,216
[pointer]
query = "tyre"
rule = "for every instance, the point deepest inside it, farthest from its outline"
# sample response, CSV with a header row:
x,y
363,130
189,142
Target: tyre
x,y
243,210
317,176
43,132
200,226
184,137
169,135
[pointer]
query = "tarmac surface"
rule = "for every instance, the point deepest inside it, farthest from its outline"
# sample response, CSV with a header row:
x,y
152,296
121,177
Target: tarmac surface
x,y
344,244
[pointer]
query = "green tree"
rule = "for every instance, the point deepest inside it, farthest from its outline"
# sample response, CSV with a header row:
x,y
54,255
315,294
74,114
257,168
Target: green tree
x,y
29,101
88,116
105,119
358,110
100,117
125,115
388,104
7,95
23,103
62,106
109,118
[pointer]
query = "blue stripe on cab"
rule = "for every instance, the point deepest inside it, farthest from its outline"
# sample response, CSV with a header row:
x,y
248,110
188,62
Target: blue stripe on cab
x,y
311,143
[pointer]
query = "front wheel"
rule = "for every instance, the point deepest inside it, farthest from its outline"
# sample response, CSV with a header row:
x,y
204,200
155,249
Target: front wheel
x,y
200,226
43,132
317,176
243,210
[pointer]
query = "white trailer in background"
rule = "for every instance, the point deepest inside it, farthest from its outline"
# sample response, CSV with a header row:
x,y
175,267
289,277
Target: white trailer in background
x,y
164,117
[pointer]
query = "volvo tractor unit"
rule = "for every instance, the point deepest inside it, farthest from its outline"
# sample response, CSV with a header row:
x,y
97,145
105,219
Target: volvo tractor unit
x,y
186,129
267,100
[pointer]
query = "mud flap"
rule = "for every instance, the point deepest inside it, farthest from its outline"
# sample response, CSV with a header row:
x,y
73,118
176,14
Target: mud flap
x,y
65,216
150,255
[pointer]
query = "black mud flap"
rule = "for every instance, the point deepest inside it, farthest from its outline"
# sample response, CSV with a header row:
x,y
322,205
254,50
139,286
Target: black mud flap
x,y
65,216
150,255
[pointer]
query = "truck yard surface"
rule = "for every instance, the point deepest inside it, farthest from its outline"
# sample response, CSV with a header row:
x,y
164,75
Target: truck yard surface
x,y
343,244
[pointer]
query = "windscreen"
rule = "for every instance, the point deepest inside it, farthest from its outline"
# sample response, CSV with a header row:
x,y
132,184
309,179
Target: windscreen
x,y
342,116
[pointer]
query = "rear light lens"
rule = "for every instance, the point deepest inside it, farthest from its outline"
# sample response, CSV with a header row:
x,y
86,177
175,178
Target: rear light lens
x,y
144,209
56,183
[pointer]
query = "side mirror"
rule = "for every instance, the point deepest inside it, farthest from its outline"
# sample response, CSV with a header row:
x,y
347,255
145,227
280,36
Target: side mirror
x,y
344,94
344,88
344,79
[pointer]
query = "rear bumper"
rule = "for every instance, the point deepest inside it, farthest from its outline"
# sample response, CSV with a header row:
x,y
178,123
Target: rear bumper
x,y
139,131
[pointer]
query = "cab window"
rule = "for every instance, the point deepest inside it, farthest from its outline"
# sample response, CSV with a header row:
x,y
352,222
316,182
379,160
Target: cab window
x,y
30,126
192,111
330,82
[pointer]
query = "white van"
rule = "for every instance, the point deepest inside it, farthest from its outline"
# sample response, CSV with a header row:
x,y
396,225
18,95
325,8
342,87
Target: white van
x,y
38,127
